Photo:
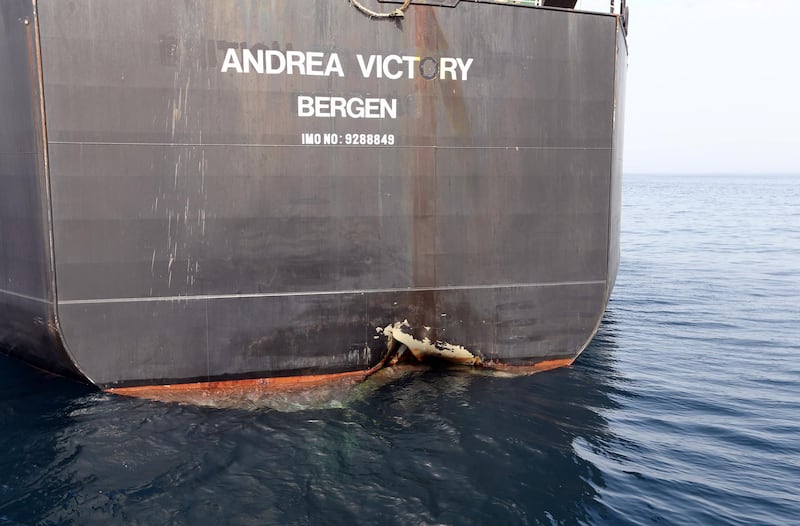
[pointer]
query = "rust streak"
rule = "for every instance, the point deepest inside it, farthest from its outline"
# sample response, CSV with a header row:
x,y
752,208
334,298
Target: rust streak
x,y
226,388
537,367
282,383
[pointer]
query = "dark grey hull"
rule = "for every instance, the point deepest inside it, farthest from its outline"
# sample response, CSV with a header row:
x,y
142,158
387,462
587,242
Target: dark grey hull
x,y
167,218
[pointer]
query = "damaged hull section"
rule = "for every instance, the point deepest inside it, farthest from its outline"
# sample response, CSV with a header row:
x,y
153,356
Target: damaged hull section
x,y
223,195
400,335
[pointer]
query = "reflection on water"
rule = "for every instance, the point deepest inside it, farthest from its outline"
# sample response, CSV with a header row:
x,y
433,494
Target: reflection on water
x,y
426,446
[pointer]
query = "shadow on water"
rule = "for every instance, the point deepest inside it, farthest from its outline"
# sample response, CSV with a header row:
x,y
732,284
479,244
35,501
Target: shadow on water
x,y
429,447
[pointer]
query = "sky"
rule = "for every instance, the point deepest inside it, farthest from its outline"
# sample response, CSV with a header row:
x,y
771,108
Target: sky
x,y
713,86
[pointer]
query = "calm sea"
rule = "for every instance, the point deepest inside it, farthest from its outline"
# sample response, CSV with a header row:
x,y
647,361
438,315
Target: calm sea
x,y
684,410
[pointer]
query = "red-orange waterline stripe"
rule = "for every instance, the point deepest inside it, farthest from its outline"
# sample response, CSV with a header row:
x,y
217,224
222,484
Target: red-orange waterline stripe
x,y
292,382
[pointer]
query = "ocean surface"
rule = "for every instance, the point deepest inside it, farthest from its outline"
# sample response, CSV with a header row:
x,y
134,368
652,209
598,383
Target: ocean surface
x,y
685,409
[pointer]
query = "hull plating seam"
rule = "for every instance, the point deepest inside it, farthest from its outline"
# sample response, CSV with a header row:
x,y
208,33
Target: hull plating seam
x,y
327,293
25,296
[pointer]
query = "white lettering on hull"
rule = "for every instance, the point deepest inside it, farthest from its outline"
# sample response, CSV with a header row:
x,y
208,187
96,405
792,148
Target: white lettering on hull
x,y
264,61
319,64
352,108
272,62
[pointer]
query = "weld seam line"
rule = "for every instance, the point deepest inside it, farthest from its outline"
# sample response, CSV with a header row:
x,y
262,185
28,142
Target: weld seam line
x,y
320,293
25,296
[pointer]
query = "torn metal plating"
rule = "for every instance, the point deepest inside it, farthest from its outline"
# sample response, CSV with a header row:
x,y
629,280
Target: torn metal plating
x,y
399,338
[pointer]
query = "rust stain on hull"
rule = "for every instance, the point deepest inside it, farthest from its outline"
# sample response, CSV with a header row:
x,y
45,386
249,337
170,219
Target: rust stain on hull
x,y
241,393
522,370
289,393
232,386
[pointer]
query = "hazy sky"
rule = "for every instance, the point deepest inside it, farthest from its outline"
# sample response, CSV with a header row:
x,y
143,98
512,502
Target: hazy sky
x,y
713,86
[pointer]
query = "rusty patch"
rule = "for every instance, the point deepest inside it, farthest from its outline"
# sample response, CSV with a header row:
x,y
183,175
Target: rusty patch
x,y
294,393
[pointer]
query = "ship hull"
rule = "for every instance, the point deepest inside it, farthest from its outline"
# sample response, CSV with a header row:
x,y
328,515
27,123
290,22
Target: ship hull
x,y
196,214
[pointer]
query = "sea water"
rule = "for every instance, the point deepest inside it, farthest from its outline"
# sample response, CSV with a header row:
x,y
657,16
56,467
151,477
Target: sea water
x,y
685,409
